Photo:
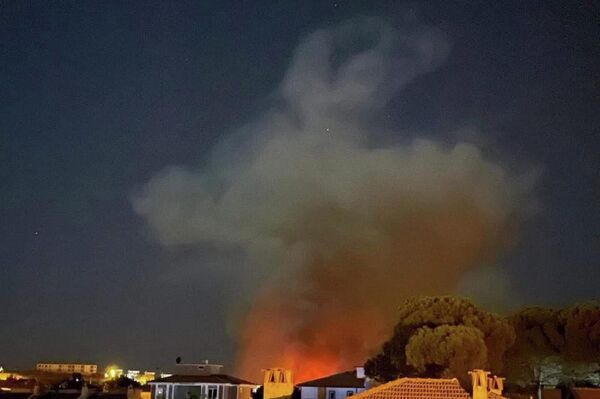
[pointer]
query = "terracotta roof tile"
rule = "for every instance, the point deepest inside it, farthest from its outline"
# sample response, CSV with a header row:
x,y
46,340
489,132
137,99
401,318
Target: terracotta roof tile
x,y
416,388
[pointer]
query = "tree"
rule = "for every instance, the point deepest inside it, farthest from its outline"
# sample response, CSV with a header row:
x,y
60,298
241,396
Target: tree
x,y
442,336
121,382
456,349
554,344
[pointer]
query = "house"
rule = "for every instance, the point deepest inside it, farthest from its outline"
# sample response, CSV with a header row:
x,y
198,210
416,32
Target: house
x,y
484,387
417,388
200,381
336,386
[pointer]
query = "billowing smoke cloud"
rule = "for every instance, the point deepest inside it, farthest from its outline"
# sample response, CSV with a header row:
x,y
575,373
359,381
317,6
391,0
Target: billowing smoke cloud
x,y
344,229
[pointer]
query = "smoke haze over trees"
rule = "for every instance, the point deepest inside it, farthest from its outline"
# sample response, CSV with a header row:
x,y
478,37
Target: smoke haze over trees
x,y
448,336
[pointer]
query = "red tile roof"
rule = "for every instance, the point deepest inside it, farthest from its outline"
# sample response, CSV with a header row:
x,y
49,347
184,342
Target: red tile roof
x,y
586,393
341,380
202,379
416,388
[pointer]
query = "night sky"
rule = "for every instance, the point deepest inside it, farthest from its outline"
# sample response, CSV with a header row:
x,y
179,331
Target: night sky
x,y
99,96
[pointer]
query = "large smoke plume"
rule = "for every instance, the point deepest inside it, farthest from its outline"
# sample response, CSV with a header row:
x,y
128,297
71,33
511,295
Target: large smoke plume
x,y
343,228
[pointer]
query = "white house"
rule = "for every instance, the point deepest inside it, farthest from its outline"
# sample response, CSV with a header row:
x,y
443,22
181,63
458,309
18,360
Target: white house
x,y
336,386
200,381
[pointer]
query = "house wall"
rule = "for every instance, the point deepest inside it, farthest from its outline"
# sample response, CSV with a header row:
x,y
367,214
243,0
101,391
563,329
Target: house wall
x,y
200,391
341,393
181,392
244,393
159,391
324,393
308,392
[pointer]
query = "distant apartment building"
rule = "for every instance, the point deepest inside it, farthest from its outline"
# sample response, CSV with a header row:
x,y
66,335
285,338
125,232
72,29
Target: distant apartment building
x,y
68,368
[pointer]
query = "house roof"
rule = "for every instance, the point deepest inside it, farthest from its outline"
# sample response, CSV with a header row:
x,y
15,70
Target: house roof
x,y
416,388
202,379
346,379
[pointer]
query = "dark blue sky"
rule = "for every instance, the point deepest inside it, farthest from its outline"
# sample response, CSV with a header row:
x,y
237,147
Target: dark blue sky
x,y
99,96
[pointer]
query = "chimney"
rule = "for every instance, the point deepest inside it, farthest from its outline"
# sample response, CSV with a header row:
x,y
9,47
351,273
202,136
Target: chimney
x,y
484,384
479,380
495,384
277,383
360,372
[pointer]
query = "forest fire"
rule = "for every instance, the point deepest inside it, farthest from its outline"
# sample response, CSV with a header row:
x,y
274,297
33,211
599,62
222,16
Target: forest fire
x,y
333,343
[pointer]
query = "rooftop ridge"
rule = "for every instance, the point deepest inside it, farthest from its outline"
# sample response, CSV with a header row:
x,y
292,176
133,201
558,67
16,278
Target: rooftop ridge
x,y
346,378
407,380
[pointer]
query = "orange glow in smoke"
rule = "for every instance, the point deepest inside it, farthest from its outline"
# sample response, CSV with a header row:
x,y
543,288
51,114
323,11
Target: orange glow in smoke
x,y
272,338
334,313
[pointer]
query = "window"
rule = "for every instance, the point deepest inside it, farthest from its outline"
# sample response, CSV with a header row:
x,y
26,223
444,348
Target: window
x,y
349,393
331,395
212,393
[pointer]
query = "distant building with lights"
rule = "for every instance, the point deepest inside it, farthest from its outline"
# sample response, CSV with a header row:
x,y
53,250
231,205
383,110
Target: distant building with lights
x,y
68,368
200,381
113,372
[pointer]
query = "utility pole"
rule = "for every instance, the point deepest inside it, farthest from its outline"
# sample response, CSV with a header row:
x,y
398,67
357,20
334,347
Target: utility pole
x,y
537,372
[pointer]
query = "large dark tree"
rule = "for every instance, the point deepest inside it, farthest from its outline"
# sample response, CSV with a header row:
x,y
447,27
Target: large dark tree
x,y
442,336
554,344
448,336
